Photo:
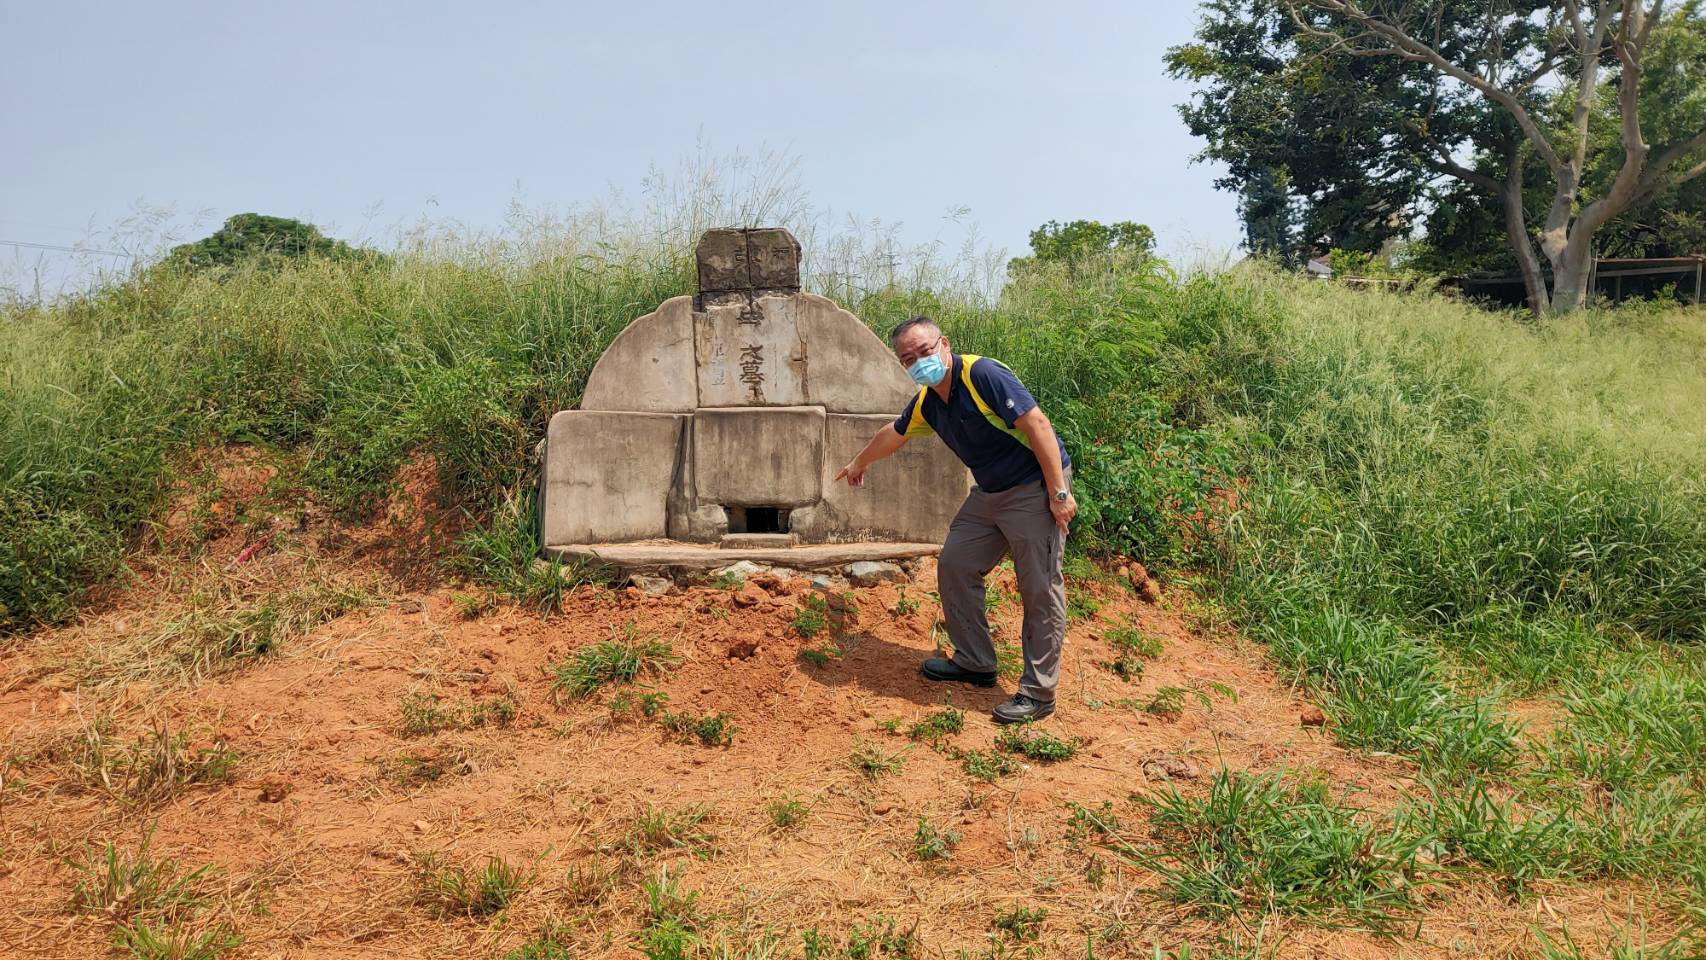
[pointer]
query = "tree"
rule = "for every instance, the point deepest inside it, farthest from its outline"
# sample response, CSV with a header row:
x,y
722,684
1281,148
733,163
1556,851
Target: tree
x,y
1071,243
1466,93
253,237
1465,232
1323,129
1265,207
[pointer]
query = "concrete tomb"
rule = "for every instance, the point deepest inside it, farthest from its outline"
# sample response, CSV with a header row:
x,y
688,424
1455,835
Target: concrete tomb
x,y
711,430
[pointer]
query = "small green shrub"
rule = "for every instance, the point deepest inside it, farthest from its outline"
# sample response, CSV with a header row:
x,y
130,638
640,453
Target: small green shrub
x,y
1032,744
1085,823
987,766
939,725
787,814
931,843
1167,703
904,605
809,622
1020,923
626,704
821,657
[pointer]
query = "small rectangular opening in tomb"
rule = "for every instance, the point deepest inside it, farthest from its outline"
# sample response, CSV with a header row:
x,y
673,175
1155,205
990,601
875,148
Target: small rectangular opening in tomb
x,y
757,519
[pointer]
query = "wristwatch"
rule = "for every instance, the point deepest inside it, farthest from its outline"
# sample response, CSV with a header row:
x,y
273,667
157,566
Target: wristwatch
x,y
1061,495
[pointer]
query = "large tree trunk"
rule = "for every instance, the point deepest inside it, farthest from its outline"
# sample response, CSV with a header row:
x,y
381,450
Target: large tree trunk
x,y
1516,231
1571,271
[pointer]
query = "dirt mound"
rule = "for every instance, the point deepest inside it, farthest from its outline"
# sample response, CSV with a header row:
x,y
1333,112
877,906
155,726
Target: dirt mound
x,y
778,765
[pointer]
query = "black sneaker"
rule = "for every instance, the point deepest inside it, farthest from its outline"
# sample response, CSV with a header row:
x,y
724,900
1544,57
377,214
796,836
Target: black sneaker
x,y
942,668
1022,708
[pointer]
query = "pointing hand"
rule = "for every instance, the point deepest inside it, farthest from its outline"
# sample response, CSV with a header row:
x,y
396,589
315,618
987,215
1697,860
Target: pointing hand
x,y
854,473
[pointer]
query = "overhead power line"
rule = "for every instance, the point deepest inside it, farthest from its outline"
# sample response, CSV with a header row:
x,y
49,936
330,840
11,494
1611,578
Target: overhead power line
x,y
63,249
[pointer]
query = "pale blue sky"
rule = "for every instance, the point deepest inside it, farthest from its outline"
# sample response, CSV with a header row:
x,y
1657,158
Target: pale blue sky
x,y
362,116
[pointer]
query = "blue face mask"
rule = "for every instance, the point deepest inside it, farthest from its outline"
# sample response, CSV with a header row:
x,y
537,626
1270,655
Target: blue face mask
x,y
927,371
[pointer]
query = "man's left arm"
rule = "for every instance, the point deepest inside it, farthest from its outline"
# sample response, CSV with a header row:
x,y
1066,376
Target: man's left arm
x,y
1036,427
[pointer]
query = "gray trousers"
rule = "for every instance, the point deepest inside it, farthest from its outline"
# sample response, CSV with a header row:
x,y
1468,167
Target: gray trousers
x,y
1015,521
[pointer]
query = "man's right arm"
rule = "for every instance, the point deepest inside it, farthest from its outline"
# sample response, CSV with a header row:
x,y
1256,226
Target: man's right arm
x,y
884,444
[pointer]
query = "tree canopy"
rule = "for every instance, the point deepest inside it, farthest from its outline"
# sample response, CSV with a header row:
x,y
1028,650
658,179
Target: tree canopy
x,y
1072,242
253,237
1513,129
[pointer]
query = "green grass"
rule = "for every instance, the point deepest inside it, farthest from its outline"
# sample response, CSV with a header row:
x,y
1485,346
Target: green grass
x,y
451,890
659,829
620,660
872,762
672,918
1257,845
150,769
139,885
150,942
552,943
787,814
710,730
1464,507
424,714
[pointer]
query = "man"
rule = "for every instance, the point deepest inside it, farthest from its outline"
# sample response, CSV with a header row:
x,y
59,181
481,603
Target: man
x,y
1021,506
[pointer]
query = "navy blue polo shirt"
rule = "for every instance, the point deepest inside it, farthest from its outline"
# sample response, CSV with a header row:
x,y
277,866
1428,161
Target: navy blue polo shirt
x,y
999,459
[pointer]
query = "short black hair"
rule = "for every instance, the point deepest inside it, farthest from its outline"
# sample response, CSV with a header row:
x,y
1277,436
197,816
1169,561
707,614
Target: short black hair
x,y
905,325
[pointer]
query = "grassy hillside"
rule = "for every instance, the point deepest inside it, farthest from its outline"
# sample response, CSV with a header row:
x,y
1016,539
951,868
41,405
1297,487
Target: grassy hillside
x,y
1477,540
355,367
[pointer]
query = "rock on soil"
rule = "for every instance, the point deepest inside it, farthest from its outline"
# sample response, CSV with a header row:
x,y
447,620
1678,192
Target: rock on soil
x,y
652,586
742,570
869,573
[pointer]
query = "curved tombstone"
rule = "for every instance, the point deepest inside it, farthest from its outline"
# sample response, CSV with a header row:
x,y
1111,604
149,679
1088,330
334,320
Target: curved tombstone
x,y
723,418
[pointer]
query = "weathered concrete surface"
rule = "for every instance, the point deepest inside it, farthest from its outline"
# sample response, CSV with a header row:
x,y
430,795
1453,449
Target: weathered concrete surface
x,y
765,457
910,496
649,366
750,259
747,541
698,556
750,354
607,475
850,369
691,518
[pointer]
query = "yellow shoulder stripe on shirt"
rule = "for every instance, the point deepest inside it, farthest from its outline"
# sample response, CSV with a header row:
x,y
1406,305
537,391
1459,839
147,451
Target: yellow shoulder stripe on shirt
x,y
917,427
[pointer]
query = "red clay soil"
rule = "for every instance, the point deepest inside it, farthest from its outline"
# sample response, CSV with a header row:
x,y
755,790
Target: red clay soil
x,y
316,835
